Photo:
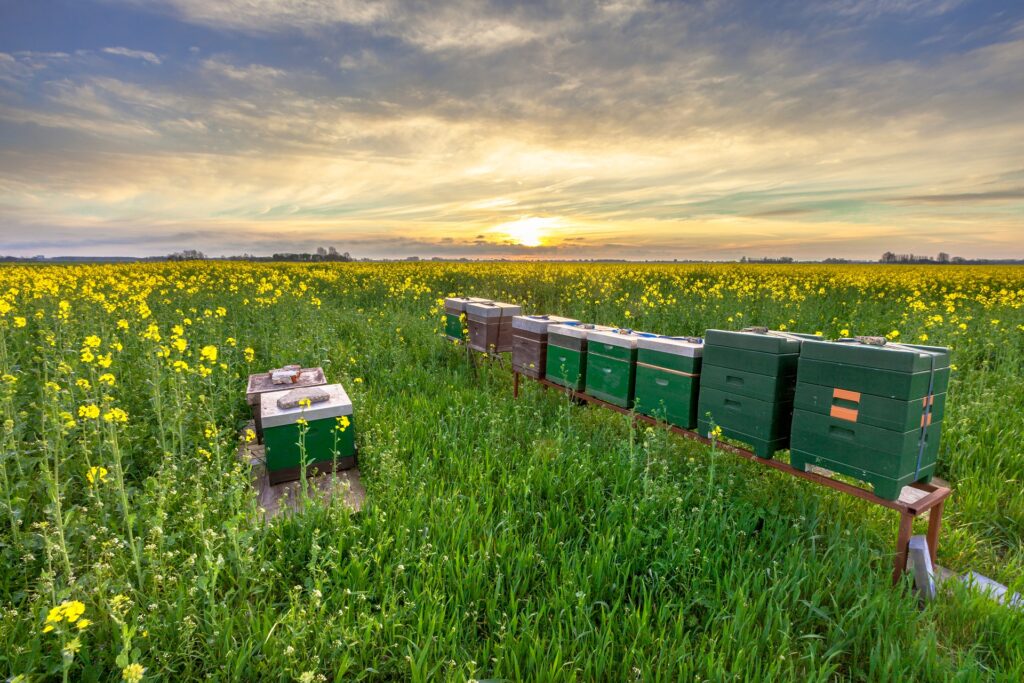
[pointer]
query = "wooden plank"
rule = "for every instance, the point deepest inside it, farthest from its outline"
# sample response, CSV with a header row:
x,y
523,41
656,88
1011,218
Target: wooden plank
x,y
993,589
920,564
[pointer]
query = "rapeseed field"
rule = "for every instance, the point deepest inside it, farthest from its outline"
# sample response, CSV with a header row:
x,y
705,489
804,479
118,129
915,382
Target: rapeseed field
x,y
517,540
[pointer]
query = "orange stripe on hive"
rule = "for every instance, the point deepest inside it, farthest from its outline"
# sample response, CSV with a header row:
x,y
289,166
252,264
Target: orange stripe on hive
x,y
846,395
849,414
926,420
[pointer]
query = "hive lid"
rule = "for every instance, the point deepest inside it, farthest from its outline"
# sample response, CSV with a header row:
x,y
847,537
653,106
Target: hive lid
x,y
576,329
616,336
692,347
537,323
492,309
262,382
759,339
876,352
458,303
273,415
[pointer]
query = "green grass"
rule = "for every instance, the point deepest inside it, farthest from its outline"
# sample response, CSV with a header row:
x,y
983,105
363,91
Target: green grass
x,y
502,539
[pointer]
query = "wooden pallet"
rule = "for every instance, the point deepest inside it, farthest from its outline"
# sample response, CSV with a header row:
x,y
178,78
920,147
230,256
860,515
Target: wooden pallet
x,y
274,499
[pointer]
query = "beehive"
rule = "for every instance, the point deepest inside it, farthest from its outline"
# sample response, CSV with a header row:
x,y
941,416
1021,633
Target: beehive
x,y
611,366
328,435
530,342
454,309
747,383
261,383
870,410
567,353
490,325
668,378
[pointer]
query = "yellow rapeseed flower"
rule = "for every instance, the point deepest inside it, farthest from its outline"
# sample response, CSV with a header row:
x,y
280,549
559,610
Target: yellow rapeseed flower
x,y
89,411
115,415
133,673
96,474
209,352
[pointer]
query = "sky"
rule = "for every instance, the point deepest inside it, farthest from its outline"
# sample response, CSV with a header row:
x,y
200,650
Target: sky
x,y
632,129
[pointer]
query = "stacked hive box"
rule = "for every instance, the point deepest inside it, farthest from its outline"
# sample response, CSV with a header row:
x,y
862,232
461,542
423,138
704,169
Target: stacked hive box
x,y
668,378
567,353
454,309
263,382
870,411
490,325
530,342
329,432
746,386
611,366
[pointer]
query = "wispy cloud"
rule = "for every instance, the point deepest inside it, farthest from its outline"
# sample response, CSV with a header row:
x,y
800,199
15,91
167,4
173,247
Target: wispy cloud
x,y
132,54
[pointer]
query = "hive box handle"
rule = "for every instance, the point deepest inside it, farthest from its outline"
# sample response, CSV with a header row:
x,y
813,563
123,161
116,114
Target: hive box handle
x,y
841,432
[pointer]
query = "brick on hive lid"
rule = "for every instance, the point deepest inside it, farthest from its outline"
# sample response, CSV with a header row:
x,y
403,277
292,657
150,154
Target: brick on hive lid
x,y
289,374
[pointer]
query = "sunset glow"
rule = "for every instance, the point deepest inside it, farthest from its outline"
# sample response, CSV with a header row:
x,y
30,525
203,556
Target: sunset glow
x,y
639,129
527,232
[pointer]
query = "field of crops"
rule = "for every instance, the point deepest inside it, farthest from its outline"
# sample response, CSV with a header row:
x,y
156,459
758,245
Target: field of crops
x,y
501,539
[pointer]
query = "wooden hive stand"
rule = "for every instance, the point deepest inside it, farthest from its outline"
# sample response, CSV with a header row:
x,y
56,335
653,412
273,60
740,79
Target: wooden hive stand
x,y
915,501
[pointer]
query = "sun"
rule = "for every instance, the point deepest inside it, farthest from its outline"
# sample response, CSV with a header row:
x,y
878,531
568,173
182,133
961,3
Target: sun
x,y
527,232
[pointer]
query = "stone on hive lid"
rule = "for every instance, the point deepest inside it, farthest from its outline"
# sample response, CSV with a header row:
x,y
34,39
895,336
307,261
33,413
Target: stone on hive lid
x,y
294,398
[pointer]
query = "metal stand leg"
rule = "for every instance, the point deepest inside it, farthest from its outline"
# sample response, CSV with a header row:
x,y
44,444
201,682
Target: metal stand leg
x,y
934,527
902,542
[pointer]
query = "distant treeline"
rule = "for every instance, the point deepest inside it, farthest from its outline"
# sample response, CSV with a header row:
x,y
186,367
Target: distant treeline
x,y
328,254
943,259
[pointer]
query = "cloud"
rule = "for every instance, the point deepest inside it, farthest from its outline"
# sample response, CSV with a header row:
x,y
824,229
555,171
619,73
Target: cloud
x,y
647,129
133,54
1016,194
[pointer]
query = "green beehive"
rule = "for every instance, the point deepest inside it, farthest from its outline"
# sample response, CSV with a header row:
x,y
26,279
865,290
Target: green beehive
x,y
329,433
747,383
454,312
279,379
611,366
668,378
871,410
567,354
